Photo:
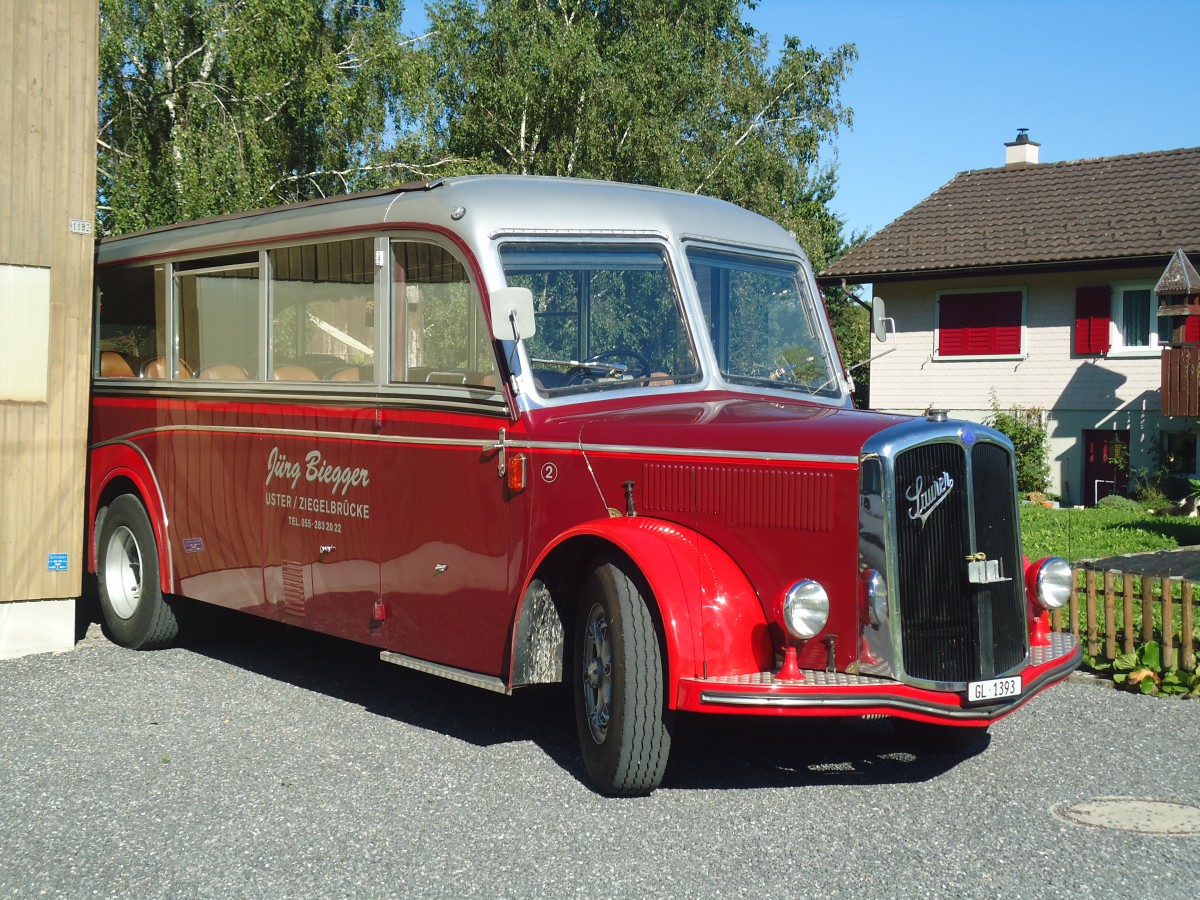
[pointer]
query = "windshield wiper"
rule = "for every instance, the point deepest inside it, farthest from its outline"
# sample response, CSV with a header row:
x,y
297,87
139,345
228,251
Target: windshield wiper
x,y
612,368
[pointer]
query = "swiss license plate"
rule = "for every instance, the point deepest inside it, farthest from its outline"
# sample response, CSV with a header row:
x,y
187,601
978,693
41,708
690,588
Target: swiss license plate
x,y
996,689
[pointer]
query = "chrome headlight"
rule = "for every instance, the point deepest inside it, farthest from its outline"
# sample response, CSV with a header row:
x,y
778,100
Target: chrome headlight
x,y
1054,582
805,608
874,589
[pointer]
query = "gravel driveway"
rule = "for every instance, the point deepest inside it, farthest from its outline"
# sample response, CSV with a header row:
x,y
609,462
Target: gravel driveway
x,y
277,763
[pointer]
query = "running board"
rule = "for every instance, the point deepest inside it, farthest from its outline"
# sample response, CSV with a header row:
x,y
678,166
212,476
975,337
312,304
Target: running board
x,y
475,679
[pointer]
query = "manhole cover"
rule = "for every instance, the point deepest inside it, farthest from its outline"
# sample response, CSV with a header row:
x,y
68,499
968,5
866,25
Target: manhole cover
x,y
1132,814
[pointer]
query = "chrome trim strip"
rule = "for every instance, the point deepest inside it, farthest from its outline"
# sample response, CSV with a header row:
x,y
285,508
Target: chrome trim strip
x,y
463,676
313,392
296,432
866,700
848,460
471,442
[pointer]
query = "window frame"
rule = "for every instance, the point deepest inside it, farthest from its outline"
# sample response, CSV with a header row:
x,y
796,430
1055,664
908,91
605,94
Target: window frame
x,y
1022,351
1117,345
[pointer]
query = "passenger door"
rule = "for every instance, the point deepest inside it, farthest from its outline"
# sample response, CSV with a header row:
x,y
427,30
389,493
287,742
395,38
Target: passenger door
x,y
443,507
318,421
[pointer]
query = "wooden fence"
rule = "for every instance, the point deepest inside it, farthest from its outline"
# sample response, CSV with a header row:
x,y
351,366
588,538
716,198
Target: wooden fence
x,y
1116,612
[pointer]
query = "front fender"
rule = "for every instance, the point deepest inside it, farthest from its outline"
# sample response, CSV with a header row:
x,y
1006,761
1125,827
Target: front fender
x,y
712,620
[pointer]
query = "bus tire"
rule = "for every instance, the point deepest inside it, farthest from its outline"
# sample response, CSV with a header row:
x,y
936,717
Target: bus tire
x,y
136,615
620,714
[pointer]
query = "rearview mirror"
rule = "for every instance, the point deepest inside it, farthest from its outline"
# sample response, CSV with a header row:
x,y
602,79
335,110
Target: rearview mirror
x,y
879,319
512,314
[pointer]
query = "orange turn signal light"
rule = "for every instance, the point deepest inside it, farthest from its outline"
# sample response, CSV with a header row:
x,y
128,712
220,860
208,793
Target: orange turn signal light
x,y
516,472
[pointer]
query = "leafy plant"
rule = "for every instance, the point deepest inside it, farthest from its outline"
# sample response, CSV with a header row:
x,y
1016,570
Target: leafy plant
x,y
1142,672
1027,430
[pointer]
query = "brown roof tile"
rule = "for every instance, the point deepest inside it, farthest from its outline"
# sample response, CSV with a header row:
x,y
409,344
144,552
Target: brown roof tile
x,y
1116,208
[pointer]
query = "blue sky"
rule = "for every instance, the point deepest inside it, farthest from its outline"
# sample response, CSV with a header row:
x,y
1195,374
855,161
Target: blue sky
x,y
941,85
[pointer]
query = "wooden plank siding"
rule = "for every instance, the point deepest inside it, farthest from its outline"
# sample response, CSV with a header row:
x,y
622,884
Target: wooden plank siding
x,y
48,71
1180,381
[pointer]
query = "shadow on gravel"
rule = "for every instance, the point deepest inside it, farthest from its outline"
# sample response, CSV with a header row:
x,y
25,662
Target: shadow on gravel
x,y
712,753
738,752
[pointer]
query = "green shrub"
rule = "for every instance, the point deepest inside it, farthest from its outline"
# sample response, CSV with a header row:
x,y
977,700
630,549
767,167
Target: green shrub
x,y
1116,501
1025,428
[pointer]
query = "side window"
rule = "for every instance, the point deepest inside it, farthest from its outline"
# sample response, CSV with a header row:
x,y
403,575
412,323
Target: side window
x,y
441,336
323,312
131,322
1135,312
608,316
218,318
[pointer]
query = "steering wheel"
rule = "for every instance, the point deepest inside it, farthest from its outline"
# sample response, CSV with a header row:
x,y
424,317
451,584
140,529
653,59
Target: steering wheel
x,y
618,355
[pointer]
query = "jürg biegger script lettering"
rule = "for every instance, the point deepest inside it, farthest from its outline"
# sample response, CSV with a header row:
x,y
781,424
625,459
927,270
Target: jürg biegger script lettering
x,y
286,472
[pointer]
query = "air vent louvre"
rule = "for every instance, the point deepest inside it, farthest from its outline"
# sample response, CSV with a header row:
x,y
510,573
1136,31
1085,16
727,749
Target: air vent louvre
x,y
745,496
293,589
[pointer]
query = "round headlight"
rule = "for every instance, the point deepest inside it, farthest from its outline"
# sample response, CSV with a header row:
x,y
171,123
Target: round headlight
x,y
874,590
1054,582
805,608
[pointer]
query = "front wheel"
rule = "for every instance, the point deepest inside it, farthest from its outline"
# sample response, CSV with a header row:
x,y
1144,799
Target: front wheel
x,y
135,613
620,714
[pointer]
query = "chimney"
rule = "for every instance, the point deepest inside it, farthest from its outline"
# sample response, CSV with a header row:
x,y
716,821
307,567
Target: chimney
x,y
1021,152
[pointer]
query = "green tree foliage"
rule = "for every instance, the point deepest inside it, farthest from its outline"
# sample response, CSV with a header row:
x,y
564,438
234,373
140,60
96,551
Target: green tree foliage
x,y
675,93
210,106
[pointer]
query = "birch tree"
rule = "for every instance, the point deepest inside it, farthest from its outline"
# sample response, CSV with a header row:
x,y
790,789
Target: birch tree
x,y
676,93
208,106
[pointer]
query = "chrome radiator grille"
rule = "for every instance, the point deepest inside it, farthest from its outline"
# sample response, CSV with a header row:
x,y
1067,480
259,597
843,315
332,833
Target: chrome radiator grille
x,y
952,503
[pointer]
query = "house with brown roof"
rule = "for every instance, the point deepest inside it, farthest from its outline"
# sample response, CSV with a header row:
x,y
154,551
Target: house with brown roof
x,y
1033,284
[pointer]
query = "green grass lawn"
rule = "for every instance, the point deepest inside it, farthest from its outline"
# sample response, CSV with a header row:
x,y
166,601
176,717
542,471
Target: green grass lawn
x,y
1089,533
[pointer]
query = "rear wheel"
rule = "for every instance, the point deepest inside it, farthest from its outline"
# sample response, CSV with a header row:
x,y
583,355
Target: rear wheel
x,y
135,613
620,714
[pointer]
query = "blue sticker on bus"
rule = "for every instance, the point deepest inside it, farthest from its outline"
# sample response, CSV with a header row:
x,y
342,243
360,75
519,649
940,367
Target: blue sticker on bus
x,y
193,545
56,562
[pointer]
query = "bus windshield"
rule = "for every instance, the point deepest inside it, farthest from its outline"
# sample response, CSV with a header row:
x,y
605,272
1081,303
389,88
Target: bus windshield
x,y
608,316
763,322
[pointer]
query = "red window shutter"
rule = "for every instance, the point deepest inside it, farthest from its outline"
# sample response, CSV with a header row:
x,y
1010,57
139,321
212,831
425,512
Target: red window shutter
x,y
987,324
1093,312
1191,333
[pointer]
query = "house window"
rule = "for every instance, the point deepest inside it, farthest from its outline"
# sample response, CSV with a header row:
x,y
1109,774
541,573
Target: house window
x,y
1135,315
981,323
1178,452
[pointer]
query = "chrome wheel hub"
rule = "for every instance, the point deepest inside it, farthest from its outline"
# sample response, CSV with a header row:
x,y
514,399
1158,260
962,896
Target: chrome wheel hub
x,y
597,674
123,572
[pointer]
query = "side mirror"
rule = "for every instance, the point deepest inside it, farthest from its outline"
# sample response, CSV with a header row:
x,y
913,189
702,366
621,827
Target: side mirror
x,y
512,314
879,319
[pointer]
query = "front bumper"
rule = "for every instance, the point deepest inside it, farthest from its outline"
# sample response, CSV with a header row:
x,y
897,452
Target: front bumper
x,y
839,694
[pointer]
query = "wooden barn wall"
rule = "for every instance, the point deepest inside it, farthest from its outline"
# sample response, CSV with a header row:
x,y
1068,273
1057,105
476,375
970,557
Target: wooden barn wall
x,y
48,71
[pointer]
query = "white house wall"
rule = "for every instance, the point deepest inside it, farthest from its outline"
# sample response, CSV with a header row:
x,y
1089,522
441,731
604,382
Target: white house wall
x,y
1076,392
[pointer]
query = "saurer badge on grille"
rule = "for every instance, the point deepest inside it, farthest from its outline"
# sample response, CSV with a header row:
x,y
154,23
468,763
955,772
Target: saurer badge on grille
x,y
925,500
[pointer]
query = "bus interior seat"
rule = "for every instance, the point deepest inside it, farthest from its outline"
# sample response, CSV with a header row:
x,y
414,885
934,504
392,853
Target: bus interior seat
x,y
437,377
156,367
223,372
347,373
114,365
293,373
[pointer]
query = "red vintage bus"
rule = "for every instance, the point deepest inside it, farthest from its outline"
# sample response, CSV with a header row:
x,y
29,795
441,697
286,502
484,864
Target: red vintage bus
x,y
517,430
